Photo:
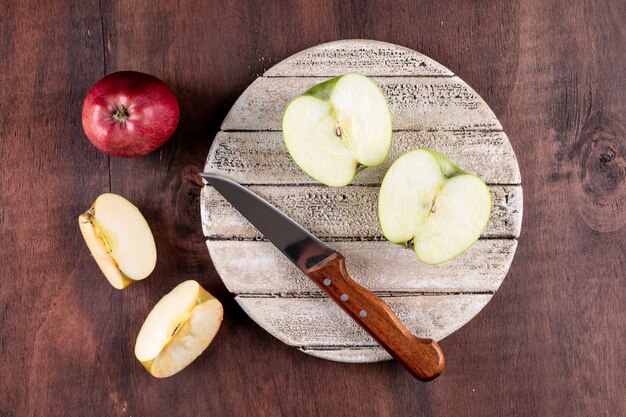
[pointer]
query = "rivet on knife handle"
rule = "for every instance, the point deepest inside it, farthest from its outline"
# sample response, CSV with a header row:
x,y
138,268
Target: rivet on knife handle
x,y
423,358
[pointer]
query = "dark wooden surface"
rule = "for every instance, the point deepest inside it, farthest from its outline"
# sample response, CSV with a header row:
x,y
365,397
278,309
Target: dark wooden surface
x,y
551,342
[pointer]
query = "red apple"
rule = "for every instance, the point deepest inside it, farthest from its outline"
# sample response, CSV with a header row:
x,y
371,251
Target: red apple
x,y
130,114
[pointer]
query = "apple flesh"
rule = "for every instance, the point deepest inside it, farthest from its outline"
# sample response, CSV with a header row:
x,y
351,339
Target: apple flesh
x,y
178,329
129,114
119,239
428,202
338,127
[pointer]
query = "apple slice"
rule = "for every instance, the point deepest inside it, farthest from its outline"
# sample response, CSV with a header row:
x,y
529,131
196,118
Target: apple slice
x,y
119,239
428,202
178,329
337,127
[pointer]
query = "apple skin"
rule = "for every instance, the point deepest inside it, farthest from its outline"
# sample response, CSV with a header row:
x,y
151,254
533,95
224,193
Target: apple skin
x,y
129,114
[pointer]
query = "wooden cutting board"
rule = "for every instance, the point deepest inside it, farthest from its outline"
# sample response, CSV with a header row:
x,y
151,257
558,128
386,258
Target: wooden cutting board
x,y
431,108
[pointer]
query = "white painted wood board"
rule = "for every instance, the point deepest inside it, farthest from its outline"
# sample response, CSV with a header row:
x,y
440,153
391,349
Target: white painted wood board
x,y
431,108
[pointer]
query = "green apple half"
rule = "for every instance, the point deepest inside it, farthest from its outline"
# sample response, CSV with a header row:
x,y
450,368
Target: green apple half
x,y
428,202
336,127
119,239
178,329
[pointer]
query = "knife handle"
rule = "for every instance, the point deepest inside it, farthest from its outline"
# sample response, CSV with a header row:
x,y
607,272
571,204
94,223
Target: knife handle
x,y
423,358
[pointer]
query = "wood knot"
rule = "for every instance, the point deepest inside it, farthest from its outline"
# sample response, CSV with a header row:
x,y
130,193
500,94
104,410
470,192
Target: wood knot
x,y
603,175
187,242
607,156
604,169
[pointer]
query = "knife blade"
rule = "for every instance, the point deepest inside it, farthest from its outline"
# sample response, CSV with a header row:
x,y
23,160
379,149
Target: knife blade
x,y
301,247
423,358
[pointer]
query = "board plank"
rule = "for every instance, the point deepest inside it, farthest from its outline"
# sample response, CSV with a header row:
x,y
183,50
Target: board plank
x,y
313,322
345,213
416,103
262,158
260,268
351,354
369,58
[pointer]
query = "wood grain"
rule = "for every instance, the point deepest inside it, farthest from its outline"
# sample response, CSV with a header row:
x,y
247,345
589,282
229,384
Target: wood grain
x,y
342,57
552,71
312,322
349,212
426,103
260,268
261,157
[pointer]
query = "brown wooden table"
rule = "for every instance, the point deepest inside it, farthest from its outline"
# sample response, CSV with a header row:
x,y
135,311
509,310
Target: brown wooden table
x,y
551,342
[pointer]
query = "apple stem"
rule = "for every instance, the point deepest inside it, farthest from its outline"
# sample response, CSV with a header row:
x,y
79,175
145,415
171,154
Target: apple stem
x,y
89,214
121,114
338,130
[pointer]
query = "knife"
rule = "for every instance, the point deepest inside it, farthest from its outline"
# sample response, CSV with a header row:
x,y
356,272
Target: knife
x,y
326,267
